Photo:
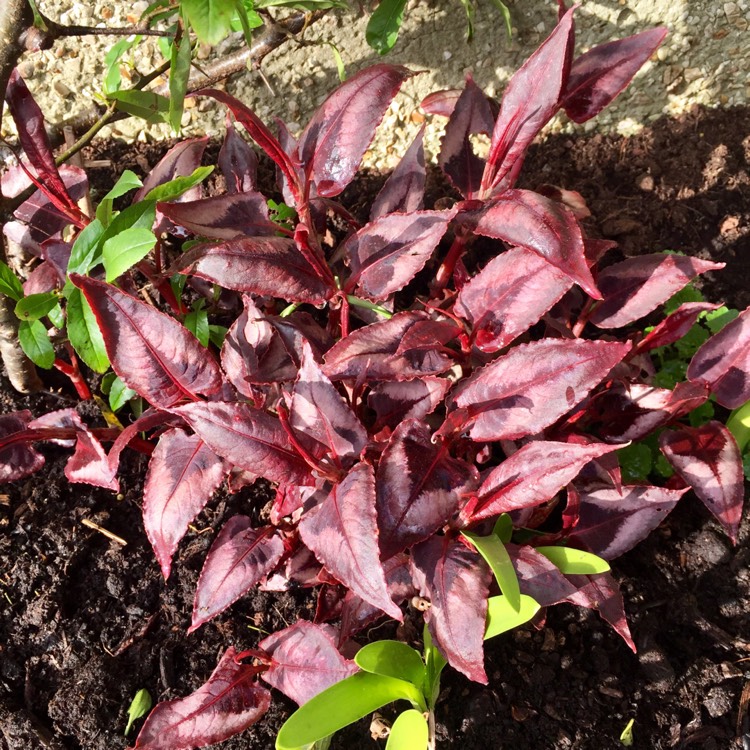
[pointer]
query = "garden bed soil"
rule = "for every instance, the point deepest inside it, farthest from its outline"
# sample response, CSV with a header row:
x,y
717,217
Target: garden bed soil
x,y
86,622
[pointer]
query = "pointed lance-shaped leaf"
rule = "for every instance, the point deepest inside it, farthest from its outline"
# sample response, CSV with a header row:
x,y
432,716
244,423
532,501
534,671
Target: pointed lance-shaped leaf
x,y
599,75
708,459
228,703
343,533
182,475
237,162
90,463
531,387
508,296
18,460
639,285
456,581
152,353
180,161
674,326
723,362
304,661
404,189
419,487
237,560
393,402
333,143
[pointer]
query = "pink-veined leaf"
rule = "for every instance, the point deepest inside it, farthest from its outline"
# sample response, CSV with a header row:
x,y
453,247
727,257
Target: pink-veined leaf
x,y
541,224
529,101
318,414
419,487
249,438
304,661
342,531
723,362
534,474
456,581
674,326
636,286
180,161
531,387
238,559
334,141
599,75
508,296
90,463
404,189
388,253
229,702
394,401
20,459
182,475
152,353
237,162
262,265
708,459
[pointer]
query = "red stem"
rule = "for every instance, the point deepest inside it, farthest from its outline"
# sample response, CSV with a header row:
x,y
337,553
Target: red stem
x,y
308,458
445,272
74,373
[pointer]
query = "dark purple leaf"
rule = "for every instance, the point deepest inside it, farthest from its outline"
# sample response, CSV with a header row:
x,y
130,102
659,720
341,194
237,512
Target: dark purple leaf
x,y
531,387
343,533
20,459
508,296
249,438
639,285
304,661
153,354
237,560
229,702
44,278
237,162
419,487
394,401
708,459
599,75
674,326
456,582
386,254
723,362
334,141
404,188
181,160
182,475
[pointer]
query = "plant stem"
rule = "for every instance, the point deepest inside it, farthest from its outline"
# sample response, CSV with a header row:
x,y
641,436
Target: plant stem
x,y
445,272
367,305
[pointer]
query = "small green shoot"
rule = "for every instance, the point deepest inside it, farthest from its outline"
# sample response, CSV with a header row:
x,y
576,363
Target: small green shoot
x,y
626,738
139,707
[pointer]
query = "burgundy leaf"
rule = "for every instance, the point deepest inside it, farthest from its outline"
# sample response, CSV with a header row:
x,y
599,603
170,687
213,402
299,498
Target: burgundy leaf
x,y
470,116
610,522
532,386
386,254
334,141
343,533
20,459
182,475
304,661
674,326
89,463
404,189
289,500
153,354
639,285
419,487
530,100
545,226
249,438
456,582
508,296
237,162
599,75
531,476
222,217
147,421
408,345
325,423
44,278
723,362
708,459
237,560
329,603
394,401
261,265
228,703
180,161
441,103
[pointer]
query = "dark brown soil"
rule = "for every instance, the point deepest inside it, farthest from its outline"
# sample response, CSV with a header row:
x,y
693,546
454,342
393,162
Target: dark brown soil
x,y
86,622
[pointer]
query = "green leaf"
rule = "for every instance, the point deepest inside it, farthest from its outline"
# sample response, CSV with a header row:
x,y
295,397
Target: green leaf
x,y
739,425
497,557
340,67
409,732
211,19
636,461
83,256
179,71
246,19
392,659
36,306
687,294
168,191
119,394
217,334
139,706
384,24
146,104
503,528
627,734
196,322
125,250
112,77
717,319
84,333
470,11
127,181
502,617
56,317
701,414
505,12
34,340
302,4
434,664
10,285
574,562
342,704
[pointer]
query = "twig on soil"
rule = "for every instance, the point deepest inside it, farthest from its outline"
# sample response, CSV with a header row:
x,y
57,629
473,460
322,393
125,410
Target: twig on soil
x,y
110,535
